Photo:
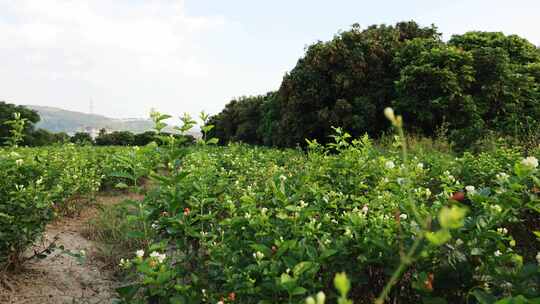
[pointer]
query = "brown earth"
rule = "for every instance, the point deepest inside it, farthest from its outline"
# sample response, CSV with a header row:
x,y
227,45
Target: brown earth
x,y
61,278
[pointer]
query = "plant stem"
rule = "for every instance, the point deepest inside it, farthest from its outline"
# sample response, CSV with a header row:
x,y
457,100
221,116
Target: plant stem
x,y
404,263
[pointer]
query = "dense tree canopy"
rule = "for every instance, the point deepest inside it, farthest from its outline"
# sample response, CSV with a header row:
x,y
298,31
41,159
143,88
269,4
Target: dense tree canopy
x,y
474,83
82,138
116,138
42,137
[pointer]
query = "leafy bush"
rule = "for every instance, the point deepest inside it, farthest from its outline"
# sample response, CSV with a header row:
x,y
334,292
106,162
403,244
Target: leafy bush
x,y
82,138
7,110
36,184
116,138
257,225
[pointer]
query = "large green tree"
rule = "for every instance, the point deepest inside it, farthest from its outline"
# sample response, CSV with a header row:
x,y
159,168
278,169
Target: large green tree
x,y
506,80
345,82
240,120
476,83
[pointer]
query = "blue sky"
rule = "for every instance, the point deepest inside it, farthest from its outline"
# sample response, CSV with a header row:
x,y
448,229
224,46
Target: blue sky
x,y
185,56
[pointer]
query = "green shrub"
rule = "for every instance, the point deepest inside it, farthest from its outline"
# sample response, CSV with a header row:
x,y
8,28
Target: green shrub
x,y
277,225
37,184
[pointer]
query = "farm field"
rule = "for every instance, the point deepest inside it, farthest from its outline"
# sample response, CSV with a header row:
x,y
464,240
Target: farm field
x,y
249,224
392,163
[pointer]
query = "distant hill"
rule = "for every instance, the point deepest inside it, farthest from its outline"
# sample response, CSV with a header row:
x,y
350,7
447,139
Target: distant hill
x,y
60,120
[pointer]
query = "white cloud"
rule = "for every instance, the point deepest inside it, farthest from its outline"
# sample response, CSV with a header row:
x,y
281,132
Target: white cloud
x,y
61,52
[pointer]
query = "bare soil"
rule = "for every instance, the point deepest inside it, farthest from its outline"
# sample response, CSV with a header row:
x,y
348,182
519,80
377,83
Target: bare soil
x,y
60,278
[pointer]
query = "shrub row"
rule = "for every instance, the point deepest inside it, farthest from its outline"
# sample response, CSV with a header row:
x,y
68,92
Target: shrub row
x,y
36,184
255,225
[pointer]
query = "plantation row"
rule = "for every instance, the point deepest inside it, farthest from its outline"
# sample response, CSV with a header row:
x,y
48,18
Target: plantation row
x,y
37,184
242,224
351,220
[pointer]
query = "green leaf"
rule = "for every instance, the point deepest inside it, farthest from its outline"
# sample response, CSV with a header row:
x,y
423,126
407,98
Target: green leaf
x,y
178,300
517,300
302,267
452,218
432,300
342,284
121,186
483,297
299,291
212,141
477,251
129,291
135,234
328,253
438,238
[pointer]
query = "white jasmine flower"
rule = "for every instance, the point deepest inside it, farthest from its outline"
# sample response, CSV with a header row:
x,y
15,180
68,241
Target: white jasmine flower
x,y
403,216
470,189
502,230
496,208
139,253
503,177
390,165
282,178
365,209
420,166
124,263
530,161
158,256
155,226
264,210
258,255
497,253
303,204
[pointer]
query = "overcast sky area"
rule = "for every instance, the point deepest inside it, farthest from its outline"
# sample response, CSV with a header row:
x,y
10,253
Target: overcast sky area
x,y
129,56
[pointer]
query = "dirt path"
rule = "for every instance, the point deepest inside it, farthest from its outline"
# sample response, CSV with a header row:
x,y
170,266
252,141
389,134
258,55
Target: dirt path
x,y
60,278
